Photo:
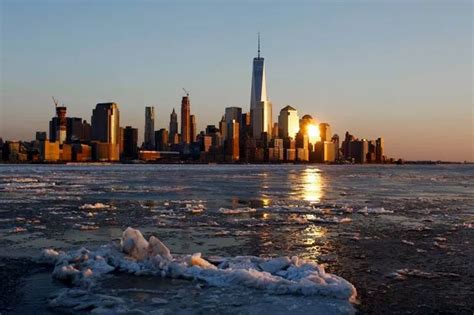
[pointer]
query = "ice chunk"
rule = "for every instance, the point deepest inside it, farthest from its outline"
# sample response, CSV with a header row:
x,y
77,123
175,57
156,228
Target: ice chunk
x,y
156,247
82,300
97,205
196,260
134,244
406,272
49,256
331,220
18,229
237,210
275,264
280,275
367,211
66,272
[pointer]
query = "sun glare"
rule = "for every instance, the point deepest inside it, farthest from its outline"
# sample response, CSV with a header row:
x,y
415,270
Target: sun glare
x,y
313,133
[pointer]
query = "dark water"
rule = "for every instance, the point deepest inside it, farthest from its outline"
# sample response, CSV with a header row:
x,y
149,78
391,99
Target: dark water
x,y
401,234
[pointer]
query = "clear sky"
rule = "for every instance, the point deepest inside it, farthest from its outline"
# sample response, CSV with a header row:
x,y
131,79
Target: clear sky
x,y
398,69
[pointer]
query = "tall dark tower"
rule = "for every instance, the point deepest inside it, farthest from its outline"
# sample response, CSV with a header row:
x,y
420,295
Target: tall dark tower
x,y
193,127
106,123
149,128
186,119
173,127
58,125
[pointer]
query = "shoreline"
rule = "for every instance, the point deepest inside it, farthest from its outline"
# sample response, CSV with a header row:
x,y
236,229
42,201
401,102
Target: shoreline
x,y
230,163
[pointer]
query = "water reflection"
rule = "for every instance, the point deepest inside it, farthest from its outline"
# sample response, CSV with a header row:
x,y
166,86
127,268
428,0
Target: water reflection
x,y
265,200
312,185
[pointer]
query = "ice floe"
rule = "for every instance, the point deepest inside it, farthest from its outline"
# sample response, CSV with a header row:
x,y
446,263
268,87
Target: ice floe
x,y
367,211
18,229
331,220
237,210
402,274
134,254
97,205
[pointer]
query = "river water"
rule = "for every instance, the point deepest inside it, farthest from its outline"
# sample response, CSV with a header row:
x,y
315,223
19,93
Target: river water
x,y
402,235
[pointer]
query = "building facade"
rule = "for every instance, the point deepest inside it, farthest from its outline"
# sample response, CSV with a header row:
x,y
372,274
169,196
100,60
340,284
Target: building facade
x,y
173,130
58,125
288,122
232,142
260,106
233,113
149,137
185,120
161,140
130,143
379,148
325,132
106,130
193,128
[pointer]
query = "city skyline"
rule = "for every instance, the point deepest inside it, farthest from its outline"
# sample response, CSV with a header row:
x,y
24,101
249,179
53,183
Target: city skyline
x,y
424,123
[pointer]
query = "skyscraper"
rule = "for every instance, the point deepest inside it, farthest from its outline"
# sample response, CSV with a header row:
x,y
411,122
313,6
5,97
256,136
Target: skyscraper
x,y
105,131
233,113
260,106
379,148
325,132
346,145
106,123
335,140
130,143
223,127
288,122
149,128
161,139
232,142
185,120
77,130
58,125
193,127
359,150
173,127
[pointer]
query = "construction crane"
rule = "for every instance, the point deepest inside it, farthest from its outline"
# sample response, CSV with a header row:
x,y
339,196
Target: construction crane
x,y
187,93
55,101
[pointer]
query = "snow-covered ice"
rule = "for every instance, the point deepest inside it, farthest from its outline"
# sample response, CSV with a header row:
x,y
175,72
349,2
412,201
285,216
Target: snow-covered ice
x,y
135,255
237,210
367,211
94,206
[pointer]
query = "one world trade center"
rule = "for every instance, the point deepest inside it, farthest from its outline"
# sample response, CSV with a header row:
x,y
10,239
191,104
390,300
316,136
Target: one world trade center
x,y
260,106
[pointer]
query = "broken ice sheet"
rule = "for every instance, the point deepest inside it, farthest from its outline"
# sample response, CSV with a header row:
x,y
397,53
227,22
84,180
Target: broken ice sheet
x,y
135,255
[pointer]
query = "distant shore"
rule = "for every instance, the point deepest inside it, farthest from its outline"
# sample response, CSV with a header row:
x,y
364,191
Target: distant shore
x,y
233,163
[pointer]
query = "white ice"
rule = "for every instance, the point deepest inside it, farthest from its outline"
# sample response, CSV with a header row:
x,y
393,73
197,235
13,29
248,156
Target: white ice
x,y
134,254
97,205
237,210
367,211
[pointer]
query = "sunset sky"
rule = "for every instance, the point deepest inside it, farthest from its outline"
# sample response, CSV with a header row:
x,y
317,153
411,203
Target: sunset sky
x,y
397,69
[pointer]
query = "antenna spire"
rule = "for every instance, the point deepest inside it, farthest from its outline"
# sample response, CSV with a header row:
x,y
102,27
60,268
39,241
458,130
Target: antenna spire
x,y
259,45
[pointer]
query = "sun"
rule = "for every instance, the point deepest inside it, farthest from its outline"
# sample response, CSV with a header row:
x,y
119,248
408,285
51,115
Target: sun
x,y
313,133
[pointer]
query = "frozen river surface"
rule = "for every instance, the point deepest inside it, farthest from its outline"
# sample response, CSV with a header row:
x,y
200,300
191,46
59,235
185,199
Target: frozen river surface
x,y
401,235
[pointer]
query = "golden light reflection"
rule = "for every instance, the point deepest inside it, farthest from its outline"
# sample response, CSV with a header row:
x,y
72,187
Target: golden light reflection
x,y
313,134
312,185
314,231
313,238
